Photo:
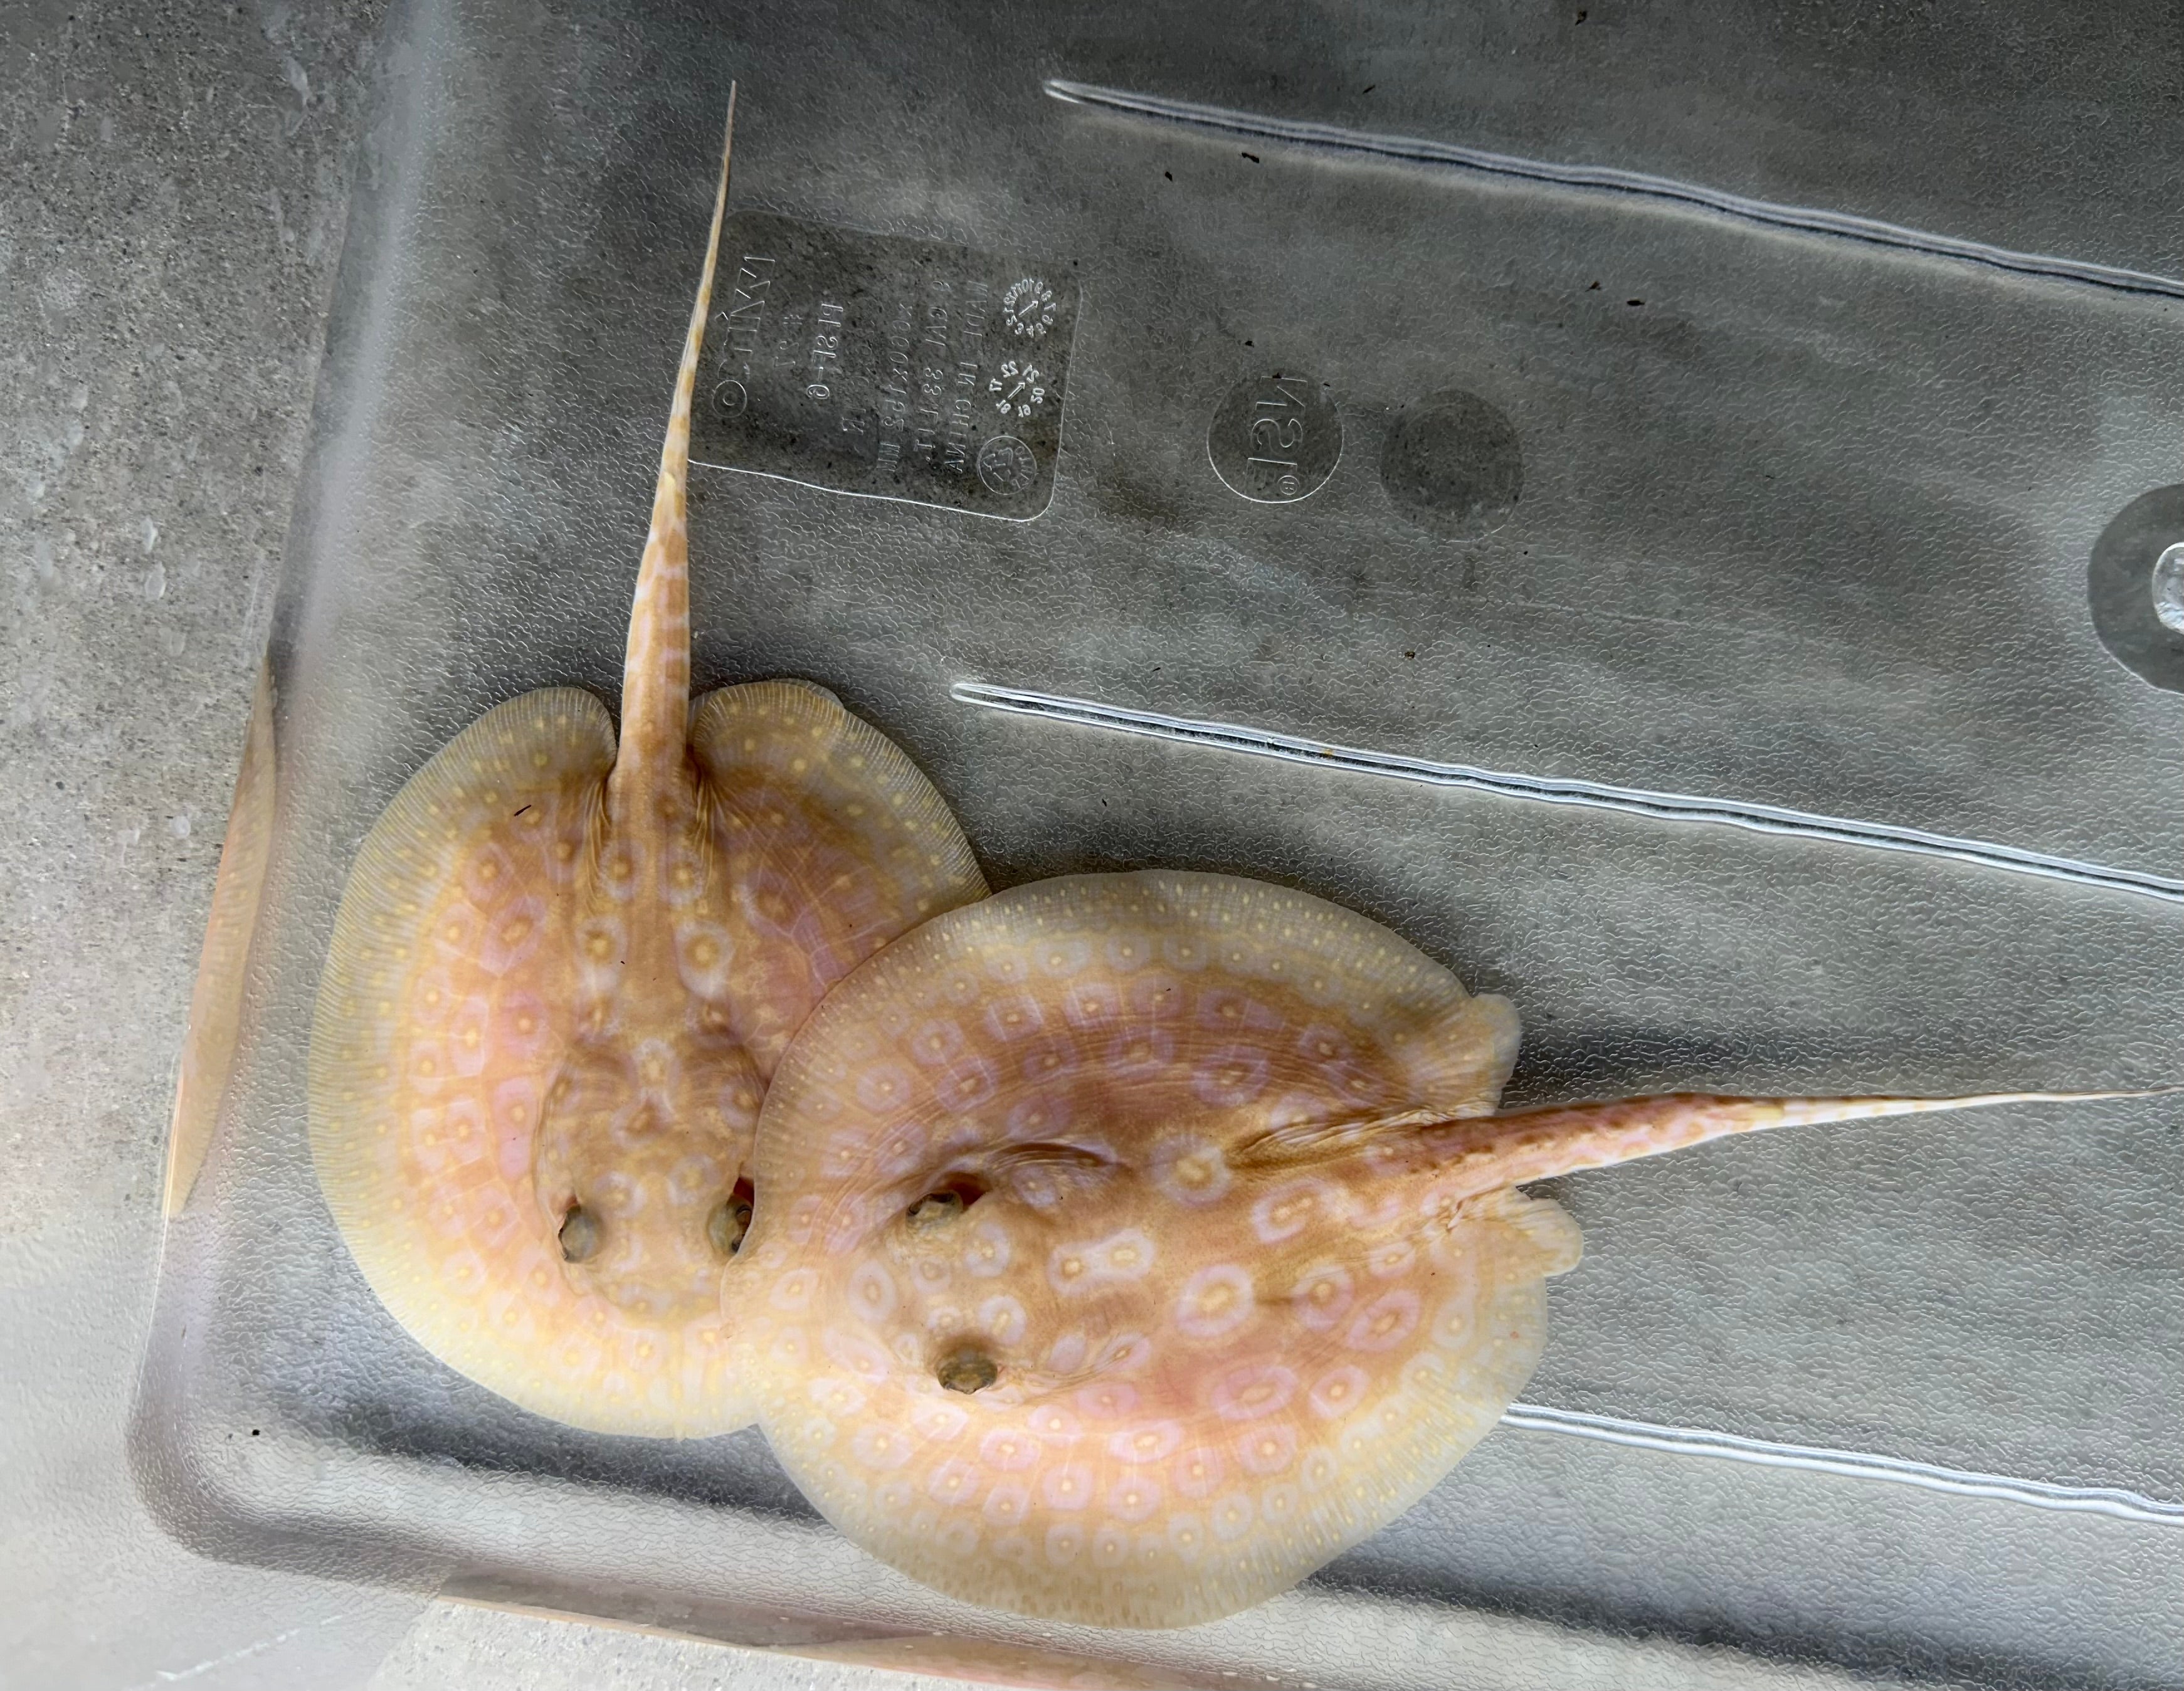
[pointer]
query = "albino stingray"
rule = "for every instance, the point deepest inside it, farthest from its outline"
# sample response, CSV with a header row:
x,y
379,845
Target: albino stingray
x,y
1134,1243
562,973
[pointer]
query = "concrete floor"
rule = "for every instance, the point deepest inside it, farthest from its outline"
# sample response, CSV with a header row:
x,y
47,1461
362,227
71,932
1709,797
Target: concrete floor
x,y
171,210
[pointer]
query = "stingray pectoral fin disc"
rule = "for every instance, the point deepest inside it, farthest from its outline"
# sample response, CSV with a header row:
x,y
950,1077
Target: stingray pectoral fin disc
x,y
829,840
445,1010
1107,1269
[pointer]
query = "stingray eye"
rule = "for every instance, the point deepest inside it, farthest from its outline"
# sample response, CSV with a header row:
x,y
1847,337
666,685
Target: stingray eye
x,y
580,1235
729,1221
942,1205
966,1371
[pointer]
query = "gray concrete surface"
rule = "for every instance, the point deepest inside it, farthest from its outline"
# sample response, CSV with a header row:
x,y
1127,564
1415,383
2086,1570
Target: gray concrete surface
x,y
173,183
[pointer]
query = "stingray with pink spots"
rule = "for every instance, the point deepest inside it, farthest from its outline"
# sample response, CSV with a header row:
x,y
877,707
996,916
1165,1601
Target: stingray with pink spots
x,y
563,968
1134,1243
1051,1310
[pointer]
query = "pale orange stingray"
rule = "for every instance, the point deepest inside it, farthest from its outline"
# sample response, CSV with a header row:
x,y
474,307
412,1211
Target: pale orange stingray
x,y
563,971
216,1000
1134,1243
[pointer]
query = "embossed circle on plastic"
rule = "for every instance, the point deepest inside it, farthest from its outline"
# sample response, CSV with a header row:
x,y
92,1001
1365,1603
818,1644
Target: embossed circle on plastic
x,y
1275,439
2134,584
1453,465
1007,465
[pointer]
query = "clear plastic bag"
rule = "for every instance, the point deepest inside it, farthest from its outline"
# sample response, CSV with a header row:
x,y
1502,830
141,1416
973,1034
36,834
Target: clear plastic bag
x,y
1595,484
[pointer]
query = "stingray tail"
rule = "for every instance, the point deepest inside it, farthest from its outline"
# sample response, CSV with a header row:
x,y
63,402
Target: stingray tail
x,y
1535,1144
655,688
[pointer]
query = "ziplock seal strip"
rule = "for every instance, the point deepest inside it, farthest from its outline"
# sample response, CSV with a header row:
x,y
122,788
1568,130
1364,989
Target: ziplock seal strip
x,y
1670,807
1865,1465
1608,179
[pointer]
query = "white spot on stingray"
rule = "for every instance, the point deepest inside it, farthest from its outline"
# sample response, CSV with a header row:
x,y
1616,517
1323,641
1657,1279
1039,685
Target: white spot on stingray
x,y
1230,1077
1007,1503
1339,1391
838,1397
1002,1318
1109,1400
1214,1302
704,953
901,1150
1157,994
1138,1052
968,1084
1268,1449
943,1318
1040,1116
1089,1005
987,1252
1065,1542
954,1483
1322,1295
614,1192
1048,1061
468,1045
871,1292
1125,952
1325,1044
932,1274
1198,1471
1120,1259
1134,1497
1067,1486
937,1041
1111,1546
1061,959
1454,1321
1186,1536
880,1447
1232,1517
1154,1441
1253,1390
1384,1323
939,1420
1017,1017
884,1089
855,1353
1189,1169
1290,1208
1007,1449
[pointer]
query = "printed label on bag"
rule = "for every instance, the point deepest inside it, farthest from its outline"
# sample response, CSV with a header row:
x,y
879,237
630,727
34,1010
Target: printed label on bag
x,y
877,365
